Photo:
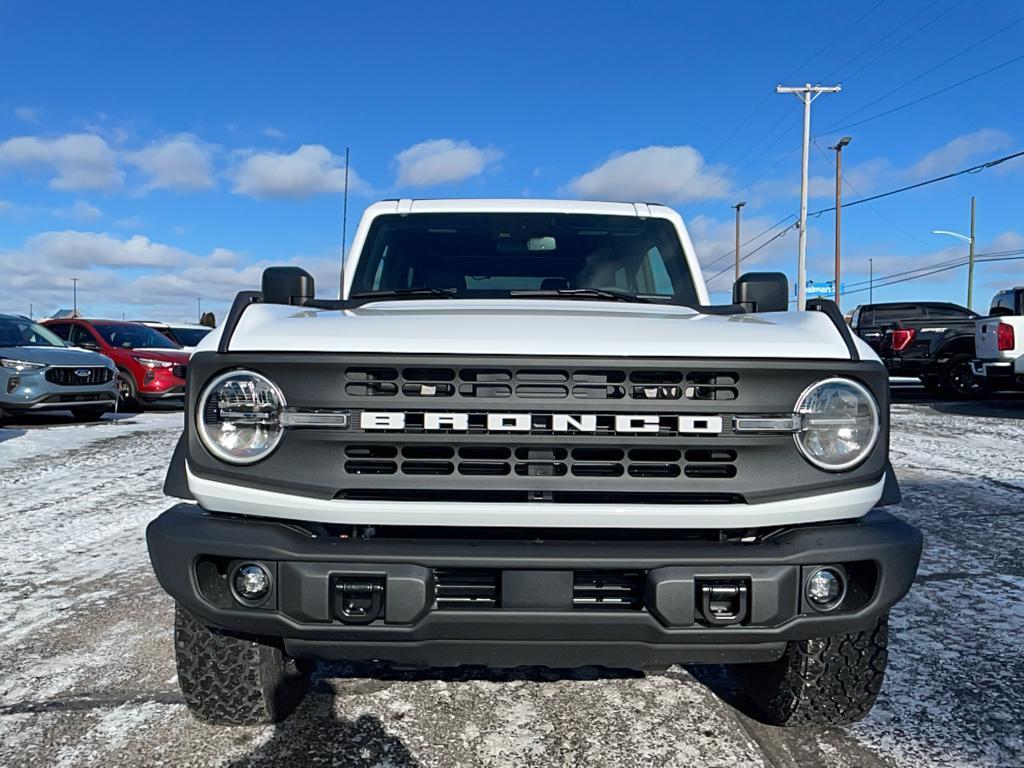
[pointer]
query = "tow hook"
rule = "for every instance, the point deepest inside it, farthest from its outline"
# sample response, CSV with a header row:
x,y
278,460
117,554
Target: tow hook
x,y
358,600
723,602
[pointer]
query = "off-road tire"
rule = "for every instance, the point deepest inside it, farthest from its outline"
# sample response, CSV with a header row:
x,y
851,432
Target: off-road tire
x,y
232,679
820,682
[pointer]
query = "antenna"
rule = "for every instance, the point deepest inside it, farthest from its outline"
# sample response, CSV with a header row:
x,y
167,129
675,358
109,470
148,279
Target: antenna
x,y
344,227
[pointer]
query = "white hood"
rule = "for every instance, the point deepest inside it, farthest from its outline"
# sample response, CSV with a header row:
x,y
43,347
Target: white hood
x,y
535,327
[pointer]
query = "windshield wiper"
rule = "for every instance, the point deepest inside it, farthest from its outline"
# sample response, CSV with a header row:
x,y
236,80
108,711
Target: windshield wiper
x,y
581,293
406,293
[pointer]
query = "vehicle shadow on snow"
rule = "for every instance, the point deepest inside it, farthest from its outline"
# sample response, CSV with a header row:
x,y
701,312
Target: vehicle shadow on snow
x,y
314,735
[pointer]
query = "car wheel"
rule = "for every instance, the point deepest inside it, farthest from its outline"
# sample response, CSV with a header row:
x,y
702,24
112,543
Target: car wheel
x,y
958,380
89,414
127,394
822,681
231,679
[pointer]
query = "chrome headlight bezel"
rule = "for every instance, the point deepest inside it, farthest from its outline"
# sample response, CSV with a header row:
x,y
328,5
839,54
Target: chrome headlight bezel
x,y
210,444
22,366
876,424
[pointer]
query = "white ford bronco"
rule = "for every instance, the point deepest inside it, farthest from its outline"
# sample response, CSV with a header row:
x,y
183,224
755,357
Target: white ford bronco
x,y
523,436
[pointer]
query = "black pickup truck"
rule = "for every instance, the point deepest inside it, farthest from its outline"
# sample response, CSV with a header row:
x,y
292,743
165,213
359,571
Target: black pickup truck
x,y
931,341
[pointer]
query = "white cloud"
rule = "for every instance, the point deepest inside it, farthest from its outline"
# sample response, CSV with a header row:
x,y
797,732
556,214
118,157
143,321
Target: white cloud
x,y
177,162
130,222
27,114
273,133
77,160
310,170
442,161
654,174
72,248
956,153
83,211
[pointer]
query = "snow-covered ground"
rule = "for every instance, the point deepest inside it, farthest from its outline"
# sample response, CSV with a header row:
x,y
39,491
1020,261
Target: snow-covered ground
x,y
87,673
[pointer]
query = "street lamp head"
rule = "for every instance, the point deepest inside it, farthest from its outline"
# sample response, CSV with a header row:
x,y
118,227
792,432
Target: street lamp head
x,y
740,205
842,143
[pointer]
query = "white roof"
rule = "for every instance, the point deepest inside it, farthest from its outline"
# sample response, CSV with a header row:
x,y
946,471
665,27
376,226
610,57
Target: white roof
x,y
519,205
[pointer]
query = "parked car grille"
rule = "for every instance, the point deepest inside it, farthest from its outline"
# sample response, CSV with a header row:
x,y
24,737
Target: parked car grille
x,y
540,383
69,376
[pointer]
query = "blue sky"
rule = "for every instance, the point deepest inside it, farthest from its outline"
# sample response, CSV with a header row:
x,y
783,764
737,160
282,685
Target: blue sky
x,y
164,152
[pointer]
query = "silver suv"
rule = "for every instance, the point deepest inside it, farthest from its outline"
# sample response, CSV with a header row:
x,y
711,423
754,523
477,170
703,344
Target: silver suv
x,y
40,372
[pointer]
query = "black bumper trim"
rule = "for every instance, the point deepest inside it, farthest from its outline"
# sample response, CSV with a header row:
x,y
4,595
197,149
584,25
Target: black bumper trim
x,y
414,632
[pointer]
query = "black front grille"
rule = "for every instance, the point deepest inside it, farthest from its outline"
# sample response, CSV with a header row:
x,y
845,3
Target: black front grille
x,y
72,377
179,370
463,589
555,460
529,383
608,590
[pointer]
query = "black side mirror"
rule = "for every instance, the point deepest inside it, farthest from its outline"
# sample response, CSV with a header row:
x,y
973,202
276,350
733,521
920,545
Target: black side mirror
x,y
87,344
762,292
287,285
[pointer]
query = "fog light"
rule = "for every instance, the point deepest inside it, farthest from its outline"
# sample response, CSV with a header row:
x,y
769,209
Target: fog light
x,y
826,588
251,582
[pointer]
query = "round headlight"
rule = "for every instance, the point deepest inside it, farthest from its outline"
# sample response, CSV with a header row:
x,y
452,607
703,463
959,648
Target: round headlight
x,y
239,417
839,424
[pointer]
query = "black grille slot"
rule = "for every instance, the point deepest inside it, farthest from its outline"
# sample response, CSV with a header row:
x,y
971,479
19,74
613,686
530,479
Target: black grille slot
x,y
461,589
710,470
552,391
427,467
371,467
66,377
712,385
179,370
372,389
608,590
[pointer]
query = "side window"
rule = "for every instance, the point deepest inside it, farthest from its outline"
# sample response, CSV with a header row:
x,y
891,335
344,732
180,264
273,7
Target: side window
x,y
61,329
81,337
946,312
653,276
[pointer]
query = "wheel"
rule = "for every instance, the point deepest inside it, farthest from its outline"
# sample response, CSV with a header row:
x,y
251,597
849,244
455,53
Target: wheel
x,y
232,679
89,414
127,394
958,380
821,682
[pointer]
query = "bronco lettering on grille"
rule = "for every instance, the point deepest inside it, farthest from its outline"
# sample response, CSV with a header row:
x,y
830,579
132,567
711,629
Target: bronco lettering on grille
x,y
436,421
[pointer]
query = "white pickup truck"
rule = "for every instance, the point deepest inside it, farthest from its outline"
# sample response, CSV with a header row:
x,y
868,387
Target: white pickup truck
x,y
999,341
522,435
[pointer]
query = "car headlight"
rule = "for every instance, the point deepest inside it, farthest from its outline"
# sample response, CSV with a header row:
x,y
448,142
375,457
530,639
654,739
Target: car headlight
x,y
239,417
839,424
150,363
21,365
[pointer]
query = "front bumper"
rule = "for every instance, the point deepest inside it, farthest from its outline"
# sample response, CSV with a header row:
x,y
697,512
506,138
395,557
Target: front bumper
x,y
534,617
30,391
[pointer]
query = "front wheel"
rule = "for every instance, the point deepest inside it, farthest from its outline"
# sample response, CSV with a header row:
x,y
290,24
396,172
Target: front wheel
x,y
958,379
823,681
127,394
232,679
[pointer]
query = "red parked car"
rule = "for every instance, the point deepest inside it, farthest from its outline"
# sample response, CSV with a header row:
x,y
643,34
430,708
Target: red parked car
x,y
150,366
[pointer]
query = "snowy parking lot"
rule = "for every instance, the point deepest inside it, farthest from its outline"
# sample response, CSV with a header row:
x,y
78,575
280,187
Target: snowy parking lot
x,y
87,671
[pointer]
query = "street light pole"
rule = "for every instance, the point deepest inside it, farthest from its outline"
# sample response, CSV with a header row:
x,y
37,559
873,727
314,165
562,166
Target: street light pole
x,y
839,204
74,282
807,94
871,281
969,239
737,207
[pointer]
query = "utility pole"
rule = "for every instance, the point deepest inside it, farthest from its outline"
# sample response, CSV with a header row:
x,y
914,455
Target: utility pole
x,y
199,308
31,307
344,227
839,204
871,281
807,94
970,263
74,281
737,208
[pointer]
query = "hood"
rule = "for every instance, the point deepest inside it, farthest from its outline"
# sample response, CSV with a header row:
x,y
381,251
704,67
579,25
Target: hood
x,y
56,356
169,355
536,327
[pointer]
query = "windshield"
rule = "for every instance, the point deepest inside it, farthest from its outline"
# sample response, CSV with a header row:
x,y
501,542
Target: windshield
x,y
132,336
25,333
498,255
189,337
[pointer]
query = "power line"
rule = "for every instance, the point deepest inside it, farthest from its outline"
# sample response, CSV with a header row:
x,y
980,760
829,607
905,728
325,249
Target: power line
x,y
848,126
745,243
